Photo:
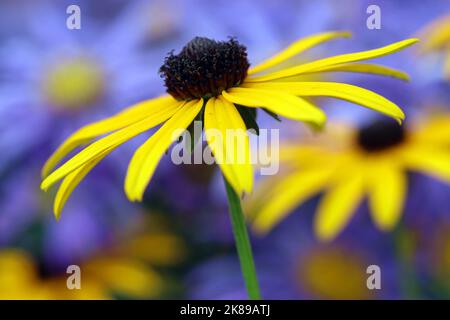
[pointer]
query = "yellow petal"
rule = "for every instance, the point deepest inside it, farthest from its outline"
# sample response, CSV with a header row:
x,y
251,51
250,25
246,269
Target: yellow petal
x,y
428,160
345,58
270,204
229,143
387,191
125,276
339,203
216,143
146,158
284,104
436,35
435,131
123,119
238,154
109,143
19,272
70,182
297,47
342,91
365,68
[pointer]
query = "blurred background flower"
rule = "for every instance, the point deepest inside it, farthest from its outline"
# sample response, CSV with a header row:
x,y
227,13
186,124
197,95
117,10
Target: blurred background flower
x,y
54,80
125,268
348,165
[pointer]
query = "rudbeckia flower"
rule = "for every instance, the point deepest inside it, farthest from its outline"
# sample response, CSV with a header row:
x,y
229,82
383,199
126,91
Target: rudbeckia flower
x,y
436,37
211,81
348,164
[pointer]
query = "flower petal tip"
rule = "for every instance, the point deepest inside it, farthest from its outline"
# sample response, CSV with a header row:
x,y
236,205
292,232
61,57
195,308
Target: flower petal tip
x,y
400,120
57,214
44,186
411,41
346,34
325,236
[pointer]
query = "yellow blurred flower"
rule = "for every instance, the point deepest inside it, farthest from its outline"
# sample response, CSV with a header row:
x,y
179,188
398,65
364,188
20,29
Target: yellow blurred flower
x,y
436,38
333,273
127,270
73,83
348,164
212,81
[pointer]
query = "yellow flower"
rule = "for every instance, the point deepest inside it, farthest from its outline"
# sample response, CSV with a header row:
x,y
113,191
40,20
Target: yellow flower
x,y
211,81
348,164
73,83
123,271
333,273
436,37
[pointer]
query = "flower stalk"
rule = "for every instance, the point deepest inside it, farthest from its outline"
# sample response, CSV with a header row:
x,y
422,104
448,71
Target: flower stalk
x,y
243,245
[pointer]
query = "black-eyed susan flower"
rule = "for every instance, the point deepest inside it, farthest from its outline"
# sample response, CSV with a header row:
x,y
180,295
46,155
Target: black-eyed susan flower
x,y
211,81
436,37
348,164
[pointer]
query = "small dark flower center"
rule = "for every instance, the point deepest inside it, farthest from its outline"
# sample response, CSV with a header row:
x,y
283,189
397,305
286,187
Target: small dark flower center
x,y
204,68
380,135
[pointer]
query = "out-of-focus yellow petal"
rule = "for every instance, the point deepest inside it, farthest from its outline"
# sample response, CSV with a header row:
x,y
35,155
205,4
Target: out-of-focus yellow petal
x,y
428,160
91,289
339,203
278,197
146,158
297,47
148,108
18,276
160,249
337,90
365,68
434,131
109,143
387,187
436,35
226,135
340,59
70,182
131,278
284,104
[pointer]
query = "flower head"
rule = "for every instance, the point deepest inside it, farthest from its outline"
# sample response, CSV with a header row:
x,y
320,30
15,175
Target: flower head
x,y
205,68
348,164
211,80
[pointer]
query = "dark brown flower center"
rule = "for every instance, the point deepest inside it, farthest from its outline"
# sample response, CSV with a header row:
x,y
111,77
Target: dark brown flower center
x,y
380,135
204,68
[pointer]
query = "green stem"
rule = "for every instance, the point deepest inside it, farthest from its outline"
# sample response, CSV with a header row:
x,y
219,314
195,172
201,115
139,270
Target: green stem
x,y
243,246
